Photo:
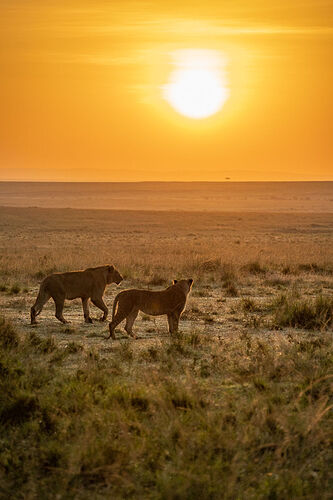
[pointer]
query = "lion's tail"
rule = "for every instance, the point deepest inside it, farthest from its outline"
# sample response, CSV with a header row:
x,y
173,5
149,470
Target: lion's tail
x,y
115,305
42,297
114,308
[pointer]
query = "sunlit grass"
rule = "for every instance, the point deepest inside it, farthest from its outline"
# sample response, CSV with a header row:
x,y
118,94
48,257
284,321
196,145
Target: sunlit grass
x,y
194,416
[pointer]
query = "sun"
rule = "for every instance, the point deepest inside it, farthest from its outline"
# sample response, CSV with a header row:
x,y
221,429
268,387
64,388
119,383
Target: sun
x,y
197,87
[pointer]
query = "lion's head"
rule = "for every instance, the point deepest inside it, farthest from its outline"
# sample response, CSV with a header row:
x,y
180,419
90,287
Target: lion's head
x,y
186,285
113,276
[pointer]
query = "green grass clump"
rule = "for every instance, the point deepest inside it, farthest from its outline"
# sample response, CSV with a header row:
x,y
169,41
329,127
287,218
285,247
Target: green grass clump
x,y
309,314
193,416
73,347
14,289
8,336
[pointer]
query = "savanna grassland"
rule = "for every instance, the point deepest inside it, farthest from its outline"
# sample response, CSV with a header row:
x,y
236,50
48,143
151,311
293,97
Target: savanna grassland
x,y
237,405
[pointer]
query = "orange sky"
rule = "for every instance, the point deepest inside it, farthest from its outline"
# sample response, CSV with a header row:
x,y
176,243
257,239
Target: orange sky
x,y
81,97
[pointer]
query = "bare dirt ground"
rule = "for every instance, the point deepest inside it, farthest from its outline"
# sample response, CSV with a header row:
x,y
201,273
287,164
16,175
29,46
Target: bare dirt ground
x,y
208,311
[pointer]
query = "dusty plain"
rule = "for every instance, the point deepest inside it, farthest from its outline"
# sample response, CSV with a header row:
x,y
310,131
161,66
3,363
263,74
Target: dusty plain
x,y
238,405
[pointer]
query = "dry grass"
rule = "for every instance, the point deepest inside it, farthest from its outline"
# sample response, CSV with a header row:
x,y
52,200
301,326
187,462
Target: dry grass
x,y
235,417
231,408
154,247
308,314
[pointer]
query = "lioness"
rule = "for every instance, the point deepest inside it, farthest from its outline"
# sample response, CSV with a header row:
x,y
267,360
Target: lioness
x,y
88,284
170,301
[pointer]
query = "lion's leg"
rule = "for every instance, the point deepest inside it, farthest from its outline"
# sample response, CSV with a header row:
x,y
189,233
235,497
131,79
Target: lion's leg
x,y
36,309
118,318
175,322
102,306
85,306
130,321
59,303
170,323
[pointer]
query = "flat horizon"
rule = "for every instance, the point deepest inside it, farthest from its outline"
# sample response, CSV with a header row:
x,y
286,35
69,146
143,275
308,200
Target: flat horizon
x,y
207,196
170,182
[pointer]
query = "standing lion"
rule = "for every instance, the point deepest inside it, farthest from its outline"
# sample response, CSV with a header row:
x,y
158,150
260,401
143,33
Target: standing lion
x,y
170,301
88,284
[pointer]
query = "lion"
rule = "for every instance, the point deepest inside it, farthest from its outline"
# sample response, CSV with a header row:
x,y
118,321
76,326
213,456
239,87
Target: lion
x,y
88,284
170,301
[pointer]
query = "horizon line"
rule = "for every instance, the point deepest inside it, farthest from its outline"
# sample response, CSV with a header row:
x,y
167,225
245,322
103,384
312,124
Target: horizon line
x,y
226,181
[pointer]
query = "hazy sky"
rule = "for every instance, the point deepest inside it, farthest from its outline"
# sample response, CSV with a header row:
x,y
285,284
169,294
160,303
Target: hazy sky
x,y
81,90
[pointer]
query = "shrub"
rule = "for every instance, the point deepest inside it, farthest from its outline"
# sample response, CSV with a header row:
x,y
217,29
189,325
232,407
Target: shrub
x,y
228,273
248,305
19,410
8,336
14,289
254,268
230,288
39,275
308,314
73,347
46,345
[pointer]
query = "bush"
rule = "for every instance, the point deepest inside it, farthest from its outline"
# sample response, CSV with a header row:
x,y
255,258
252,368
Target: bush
x,y
45,345
14,289
230,288
19,410
248,305
309,314
254,268
8,336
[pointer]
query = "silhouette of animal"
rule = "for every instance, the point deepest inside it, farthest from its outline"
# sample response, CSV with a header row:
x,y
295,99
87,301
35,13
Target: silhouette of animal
x,y
88,284
170,301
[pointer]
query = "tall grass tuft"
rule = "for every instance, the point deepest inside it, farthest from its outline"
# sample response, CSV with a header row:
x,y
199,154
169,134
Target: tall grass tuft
x,y
8,336
255,267
14,289
194,416
304,313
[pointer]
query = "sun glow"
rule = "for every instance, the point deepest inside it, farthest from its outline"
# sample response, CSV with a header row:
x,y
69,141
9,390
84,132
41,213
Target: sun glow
x,y
197,87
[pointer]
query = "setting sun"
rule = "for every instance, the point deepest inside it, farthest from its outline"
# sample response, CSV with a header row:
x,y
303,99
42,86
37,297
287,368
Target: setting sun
x,y
111,91
196,88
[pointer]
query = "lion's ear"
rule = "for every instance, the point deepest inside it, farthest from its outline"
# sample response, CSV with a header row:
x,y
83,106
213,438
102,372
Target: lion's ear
x,y
174,282
111,268
190,282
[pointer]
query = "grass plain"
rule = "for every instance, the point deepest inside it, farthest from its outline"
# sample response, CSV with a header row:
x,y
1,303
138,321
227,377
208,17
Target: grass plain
x,y
238,405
